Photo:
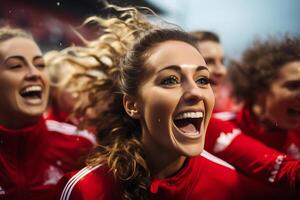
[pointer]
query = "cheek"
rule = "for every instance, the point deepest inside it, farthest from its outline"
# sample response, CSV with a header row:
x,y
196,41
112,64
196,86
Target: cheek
x,y
158,109
276,105
9,98
9,87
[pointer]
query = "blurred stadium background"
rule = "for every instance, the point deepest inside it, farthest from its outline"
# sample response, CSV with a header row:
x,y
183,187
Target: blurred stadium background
x,y
237,22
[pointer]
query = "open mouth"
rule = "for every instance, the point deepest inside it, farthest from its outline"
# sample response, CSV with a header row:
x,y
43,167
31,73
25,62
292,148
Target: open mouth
x,y
189,123
32,93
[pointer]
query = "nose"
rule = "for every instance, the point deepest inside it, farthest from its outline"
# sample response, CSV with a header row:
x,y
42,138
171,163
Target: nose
x,y
33,73
192,93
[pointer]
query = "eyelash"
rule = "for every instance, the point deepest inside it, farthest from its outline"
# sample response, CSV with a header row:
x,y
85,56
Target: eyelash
x,y
40,66
205,79
16,66
173,80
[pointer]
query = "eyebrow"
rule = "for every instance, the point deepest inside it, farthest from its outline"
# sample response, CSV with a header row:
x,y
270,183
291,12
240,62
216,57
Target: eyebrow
x,y
21,58
178,68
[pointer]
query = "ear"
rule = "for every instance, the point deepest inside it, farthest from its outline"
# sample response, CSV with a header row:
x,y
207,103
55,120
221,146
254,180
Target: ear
x,y
131,106
258,106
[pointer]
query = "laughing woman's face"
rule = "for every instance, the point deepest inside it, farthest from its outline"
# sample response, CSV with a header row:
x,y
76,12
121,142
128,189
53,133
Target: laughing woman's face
x,y
280,104
175,99
23,82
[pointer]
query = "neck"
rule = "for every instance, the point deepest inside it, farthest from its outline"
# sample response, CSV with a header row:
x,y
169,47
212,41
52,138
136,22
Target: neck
x,y
19,123
162,163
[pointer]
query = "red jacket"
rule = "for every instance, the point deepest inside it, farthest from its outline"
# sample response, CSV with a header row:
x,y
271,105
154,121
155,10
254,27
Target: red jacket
x,y
230,137
200,179
34,158
284,141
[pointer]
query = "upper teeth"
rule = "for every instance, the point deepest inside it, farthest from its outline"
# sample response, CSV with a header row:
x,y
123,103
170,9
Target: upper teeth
x,y
34,88
189,115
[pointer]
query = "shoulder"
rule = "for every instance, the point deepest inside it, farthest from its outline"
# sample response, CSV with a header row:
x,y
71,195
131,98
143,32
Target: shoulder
x,y
220,133
69,130
211,158
230,183
89,183
212,164
215,170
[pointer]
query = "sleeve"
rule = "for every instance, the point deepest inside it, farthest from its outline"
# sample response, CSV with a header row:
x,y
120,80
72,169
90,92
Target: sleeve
x,y
250,156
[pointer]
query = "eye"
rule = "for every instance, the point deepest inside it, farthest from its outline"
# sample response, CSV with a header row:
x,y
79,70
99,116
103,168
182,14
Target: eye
x,y
293,85
40,65
14,66
171,80
210,61
203,81
39,62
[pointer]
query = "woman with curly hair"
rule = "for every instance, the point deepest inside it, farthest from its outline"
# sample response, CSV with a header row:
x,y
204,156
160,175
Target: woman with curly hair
x,y
267,81
152,133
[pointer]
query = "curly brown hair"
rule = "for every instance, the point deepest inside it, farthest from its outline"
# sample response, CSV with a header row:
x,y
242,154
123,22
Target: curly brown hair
x,y
260,64
122,52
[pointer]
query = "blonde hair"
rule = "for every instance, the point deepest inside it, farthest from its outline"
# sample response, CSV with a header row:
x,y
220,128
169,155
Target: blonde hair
x,y
7,32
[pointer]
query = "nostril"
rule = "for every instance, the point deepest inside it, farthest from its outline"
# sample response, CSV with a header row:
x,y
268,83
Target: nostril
x,y
32,75
192,97
193,100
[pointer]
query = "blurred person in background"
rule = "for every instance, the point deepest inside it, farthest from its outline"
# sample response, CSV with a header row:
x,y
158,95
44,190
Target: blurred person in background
x,y
263,138
34,152
211,48
65,96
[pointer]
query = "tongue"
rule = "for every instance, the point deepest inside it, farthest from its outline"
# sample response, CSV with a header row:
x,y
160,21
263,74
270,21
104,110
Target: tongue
x,y
186,127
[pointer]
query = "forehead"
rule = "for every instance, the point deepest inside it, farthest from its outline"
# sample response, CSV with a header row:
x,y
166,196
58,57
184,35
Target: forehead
x,y
18,46
290,71
174,53
210,48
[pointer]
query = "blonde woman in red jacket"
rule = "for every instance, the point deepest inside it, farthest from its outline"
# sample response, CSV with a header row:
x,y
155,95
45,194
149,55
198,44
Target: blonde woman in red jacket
x,y
34,152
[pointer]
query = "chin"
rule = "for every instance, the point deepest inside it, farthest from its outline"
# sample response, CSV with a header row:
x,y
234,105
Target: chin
x,y
192,150
34,112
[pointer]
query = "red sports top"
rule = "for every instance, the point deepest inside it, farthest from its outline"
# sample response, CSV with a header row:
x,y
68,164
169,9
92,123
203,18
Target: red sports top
x,y
33,159
232,137
200,179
